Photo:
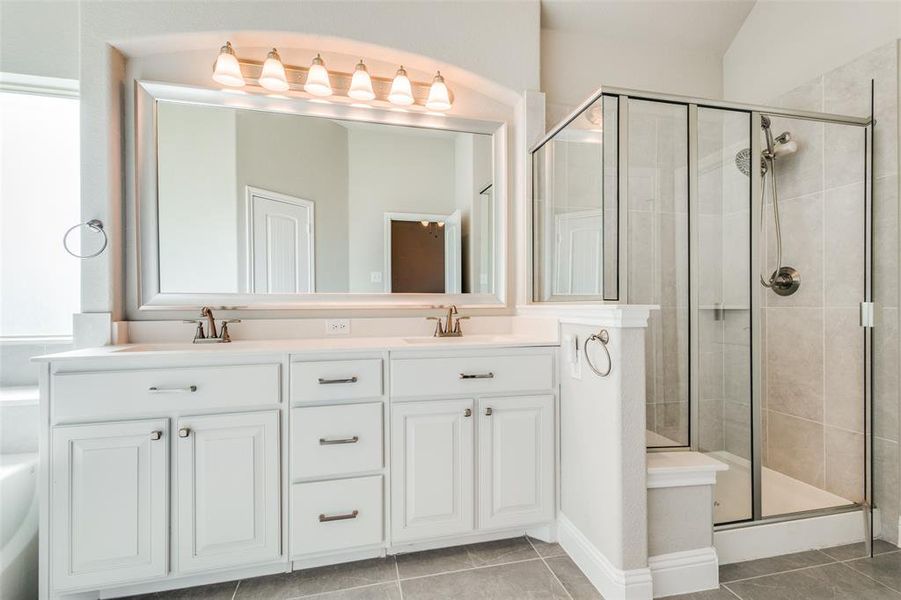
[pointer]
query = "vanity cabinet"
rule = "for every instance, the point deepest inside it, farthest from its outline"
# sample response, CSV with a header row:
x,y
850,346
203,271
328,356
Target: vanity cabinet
x,y
483,462
109,502
432,468
227,490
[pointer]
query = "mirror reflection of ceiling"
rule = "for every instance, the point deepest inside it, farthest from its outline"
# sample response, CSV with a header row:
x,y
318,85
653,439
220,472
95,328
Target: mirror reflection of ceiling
x,y
262,202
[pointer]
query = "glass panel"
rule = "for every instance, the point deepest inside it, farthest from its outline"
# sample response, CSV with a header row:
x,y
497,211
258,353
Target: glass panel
x,y
658,259
813,355
723,313
575,209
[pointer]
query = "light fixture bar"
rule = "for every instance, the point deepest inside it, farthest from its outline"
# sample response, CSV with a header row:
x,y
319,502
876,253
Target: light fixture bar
x,y
297,77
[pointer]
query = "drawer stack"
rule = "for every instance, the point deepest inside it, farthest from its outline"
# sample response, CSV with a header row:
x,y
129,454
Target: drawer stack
x,y
337,456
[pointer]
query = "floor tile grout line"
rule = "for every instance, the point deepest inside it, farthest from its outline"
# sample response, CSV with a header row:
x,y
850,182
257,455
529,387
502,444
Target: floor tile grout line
x,y
730,590
512,562
826,564
858,571
235,592
335,591
400,588
548,567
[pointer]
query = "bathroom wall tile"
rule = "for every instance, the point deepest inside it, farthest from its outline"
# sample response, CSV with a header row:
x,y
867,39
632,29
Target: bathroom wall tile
x,y
844,154
844,369
737,374
710,365
672,421
674,359
808,96
737,436
672,258
711,436
794,358
642,262
845,245
737,256
710,260
795,447
801,173
737,328
845,464
885,240
886,375
651,351
886,486
802,248
710,181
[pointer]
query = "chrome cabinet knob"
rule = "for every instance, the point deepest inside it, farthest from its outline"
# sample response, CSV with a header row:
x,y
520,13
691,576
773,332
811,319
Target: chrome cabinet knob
x,y
467,412
184,432
155,435
488,412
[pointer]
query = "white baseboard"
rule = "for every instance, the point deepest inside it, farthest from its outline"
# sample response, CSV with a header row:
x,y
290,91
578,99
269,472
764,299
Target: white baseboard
x,y
786,537
684,572
612,582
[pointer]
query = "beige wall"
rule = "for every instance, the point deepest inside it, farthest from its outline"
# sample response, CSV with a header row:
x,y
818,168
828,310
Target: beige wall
x,y
392,172
306,158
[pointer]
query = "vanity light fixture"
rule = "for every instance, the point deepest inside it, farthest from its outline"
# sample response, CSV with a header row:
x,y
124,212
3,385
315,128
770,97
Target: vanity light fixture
x,y
439,97
273,75
401,90
361,84
227,70
317,79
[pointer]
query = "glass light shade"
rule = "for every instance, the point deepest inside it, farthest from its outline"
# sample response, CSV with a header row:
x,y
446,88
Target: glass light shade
x,y
439,97
227,70
361,84
401,89
273,75
317,79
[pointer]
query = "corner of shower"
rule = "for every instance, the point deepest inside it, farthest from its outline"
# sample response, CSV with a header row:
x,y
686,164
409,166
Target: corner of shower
x,y
759,255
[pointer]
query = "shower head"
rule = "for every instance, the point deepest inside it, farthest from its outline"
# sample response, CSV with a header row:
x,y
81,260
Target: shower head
x,y
743,161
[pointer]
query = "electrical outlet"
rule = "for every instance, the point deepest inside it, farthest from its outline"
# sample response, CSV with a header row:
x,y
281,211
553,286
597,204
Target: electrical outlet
x,y
375,277
337,327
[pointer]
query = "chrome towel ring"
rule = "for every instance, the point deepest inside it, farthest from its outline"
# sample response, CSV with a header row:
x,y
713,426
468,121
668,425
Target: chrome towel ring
x,y
95,225
603,337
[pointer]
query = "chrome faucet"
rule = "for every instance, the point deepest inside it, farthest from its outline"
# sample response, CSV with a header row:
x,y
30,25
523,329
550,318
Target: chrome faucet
x,y
211,336
451,327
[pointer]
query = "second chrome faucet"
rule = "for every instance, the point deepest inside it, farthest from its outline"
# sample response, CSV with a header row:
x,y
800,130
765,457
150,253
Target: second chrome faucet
x,y
451,327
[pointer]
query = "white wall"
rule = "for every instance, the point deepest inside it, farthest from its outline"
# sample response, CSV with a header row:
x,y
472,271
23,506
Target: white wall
x,y
784,44
197,157
573,65
392,172
39,38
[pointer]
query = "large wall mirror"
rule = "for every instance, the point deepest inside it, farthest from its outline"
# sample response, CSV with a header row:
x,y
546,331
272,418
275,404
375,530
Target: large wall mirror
x,y
274,201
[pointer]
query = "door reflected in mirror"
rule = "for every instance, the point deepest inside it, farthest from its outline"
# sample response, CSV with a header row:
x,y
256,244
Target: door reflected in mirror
x,y
259,202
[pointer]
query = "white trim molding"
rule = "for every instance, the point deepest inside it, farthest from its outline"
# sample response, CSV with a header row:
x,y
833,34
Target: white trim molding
x,y
612,582
600,315
684,572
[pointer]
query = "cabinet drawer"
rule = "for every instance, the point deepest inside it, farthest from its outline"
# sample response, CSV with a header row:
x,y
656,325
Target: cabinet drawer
x,y
412,377
336,515
336,440
336,380
111,394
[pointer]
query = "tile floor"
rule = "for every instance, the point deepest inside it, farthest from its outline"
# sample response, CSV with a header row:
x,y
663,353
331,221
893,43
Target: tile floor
x,y
523,568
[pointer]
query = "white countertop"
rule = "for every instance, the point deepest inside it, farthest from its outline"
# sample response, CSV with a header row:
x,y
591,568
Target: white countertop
x,y
676,469
290,346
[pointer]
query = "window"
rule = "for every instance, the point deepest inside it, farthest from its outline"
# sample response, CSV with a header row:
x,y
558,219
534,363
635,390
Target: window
x,y
39,199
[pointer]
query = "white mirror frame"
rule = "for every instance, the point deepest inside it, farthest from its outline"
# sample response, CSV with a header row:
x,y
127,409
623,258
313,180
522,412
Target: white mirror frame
x,y
151,297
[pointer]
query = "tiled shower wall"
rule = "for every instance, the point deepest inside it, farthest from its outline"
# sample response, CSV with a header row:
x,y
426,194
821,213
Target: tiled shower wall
x,y
658,259
813,344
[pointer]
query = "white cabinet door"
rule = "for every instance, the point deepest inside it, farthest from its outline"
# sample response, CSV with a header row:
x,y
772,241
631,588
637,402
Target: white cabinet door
x,y
431,468
228,490
516,461
109,503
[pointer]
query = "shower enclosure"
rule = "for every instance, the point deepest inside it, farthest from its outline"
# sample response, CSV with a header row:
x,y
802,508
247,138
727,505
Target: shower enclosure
x,y
757,247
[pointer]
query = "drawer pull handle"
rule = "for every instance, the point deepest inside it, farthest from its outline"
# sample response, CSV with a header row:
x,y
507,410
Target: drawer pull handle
x,y
331,381
184,432
181,390
350,440
488,375
330,518
155,435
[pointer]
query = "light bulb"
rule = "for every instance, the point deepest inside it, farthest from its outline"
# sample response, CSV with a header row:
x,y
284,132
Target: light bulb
x,y
227,70
439,97
401,90
273,74
361,84
317,79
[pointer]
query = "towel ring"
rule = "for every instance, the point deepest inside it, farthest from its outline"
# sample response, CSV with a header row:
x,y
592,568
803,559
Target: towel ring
x,y
603,337
95,225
